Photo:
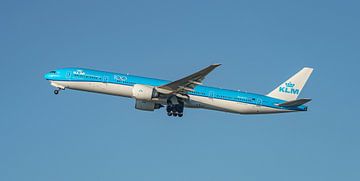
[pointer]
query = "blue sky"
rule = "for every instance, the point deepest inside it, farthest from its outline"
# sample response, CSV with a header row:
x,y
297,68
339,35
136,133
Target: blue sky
x,y
86,136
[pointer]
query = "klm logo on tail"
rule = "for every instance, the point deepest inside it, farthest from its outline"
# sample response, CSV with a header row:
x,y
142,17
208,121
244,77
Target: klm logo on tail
x,y
289,88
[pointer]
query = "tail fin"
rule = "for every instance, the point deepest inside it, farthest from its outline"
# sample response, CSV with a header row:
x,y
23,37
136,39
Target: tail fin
x,y
291,89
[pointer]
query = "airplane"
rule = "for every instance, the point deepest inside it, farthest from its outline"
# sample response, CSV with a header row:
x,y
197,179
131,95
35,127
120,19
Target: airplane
x,y
151,94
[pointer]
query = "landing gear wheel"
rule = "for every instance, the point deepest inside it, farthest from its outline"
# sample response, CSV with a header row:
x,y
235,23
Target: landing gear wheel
x,y
175,107
56,92
168,109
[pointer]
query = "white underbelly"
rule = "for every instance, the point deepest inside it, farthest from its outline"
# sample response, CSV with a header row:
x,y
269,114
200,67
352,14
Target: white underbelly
x,y
99,87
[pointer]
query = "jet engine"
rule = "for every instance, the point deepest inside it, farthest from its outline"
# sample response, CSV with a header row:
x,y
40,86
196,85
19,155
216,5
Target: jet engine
x,y
146,105
144,92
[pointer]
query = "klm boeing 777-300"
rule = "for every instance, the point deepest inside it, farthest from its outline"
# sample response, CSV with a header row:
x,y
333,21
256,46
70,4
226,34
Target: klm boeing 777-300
x,y
151,94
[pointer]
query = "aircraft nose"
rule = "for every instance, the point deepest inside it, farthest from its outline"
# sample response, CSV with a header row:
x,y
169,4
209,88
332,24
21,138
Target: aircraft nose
x,y
47,76
51,75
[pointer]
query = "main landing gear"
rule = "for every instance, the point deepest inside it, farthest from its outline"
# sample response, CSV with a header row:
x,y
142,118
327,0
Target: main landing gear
x,y
175,109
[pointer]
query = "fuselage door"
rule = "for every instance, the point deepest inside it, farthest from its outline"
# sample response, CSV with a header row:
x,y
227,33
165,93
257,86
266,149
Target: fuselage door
x,y
105,79
68,75
211,95
258,105
258,102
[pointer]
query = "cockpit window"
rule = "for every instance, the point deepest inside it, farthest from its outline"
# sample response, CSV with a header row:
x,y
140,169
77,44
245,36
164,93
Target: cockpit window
x,y
52,72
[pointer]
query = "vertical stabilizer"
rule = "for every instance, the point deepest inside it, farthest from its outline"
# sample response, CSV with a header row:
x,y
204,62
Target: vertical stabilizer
x,y
291,89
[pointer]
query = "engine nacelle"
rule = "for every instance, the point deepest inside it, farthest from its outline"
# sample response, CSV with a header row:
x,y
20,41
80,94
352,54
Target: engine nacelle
x,y
146,105
144,92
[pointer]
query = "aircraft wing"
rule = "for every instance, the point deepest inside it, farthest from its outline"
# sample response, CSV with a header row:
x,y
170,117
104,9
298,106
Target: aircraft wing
x,y
186,84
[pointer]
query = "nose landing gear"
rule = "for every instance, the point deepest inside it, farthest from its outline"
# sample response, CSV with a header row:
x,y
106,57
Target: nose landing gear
x,y
57,91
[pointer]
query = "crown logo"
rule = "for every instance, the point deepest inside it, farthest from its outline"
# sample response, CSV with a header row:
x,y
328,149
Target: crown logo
x,y
289,84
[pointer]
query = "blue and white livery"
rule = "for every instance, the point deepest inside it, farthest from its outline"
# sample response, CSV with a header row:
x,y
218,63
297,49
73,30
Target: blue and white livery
x,y
151,94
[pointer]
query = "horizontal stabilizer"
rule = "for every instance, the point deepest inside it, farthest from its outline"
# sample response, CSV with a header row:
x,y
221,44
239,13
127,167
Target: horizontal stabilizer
x,y
294,103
